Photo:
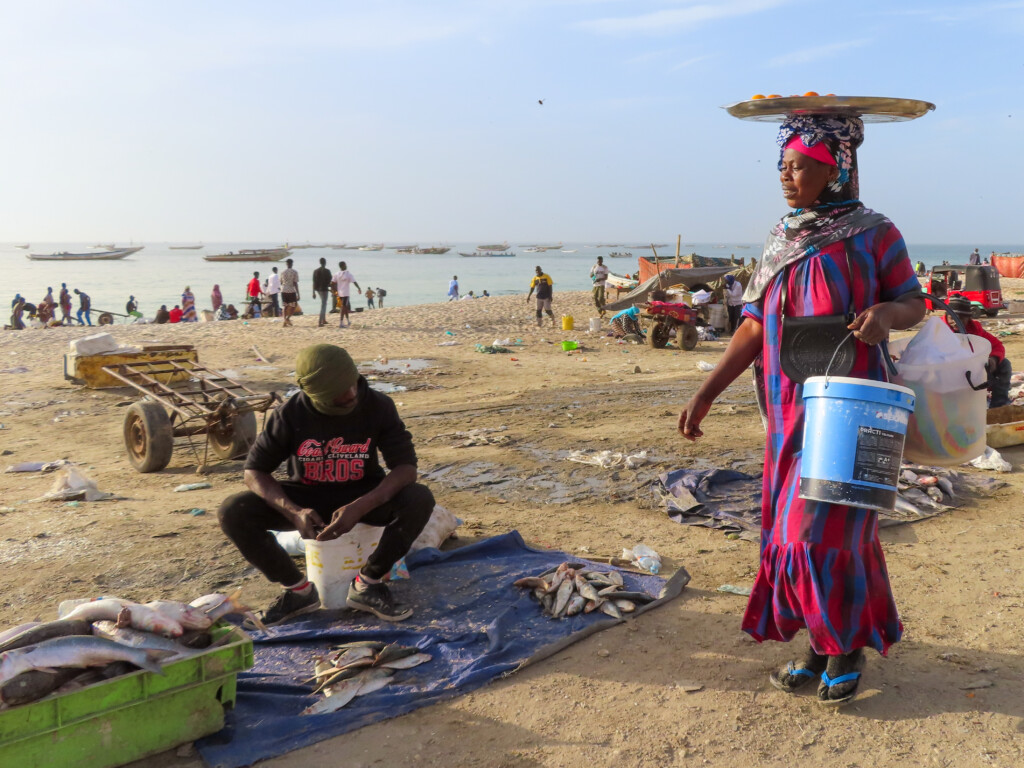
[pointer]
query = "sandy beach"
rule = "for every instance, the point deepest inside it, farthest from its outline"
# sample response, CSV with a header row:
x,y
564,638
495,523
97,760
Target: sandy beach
x,y
616,698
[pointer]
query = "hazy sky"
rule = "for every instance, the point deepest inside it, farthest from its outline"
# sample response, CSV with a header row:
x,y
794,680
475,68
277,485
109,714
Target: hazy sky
x,y
419,121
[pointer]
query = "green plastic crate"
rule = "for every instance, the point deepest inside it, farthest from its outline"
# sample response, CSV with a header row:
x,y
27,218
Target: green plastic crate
x,y
127,718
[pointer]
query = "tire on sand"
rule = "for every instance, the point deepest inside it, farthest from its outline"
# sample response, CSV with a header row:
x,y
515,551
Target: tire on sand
x,y
106,318
148,436
232,440
687,337
658,336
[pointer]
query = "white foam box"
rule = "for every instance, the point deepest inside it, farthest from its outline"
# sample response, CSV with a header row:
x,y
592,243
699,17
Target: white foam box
x,y
97,344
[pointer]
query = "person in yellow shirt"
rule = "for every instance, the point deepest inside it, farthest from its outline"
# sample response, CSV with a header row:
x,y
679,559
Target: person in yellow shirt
x,y
545,289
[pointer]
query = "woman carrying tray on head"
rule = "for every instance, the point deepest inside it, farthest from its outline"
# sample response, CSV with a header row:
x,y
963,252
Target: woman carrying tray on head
x,y
832,259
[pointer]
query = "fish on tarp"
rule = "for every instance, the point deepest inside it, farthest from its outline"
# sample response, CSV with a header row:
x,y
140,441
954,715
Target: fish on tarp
x,y
75,651
565,590
139,616
147,641
337,696
585,588
377,645
393,653
46,631
905,507
374,680
408,662
947,487
576,604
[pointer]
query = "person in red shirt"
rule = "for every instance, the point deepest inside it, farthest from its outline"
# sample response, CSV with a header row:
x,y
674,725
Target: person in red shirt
x,y
254,290
174,316
999,368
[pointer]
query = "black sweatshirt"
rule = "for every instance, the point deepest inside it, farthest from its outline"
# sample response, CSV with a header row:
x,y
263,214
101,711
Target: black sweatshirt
x,y
334,450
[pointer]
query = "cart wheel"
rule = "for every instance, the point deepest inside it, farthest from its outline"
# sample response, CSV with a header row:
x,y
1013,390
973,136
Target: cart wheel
x,y
687,337
106,318
148,436
233,439
657,337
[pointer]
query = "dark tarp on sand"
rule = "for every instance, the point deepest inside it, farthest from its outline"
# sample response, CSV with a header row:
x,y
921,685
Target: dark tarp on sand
x,y
469,617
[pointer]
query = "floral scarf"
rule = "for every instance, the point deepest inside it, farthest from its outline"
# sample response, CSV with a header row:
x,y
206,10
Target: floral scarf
x,y
838,214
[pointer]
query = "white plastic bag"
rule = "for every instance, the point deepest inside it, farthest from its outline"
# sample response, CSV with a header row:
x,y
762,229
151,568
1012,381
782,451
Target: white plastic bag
x,y
935,343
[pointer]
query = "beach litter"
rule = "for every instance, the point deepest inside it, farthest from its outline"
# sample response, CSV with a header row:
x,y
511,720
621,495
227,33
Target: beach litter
x,y
72,485
609,459
991,459
705,366
192,487
491,349
38,466
643,557
16,369
733,590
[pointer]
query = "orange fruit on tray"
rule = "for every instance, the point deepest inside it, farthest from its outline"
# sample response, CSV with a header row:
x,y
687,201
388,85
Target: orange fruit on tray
x,y
811,93
757,96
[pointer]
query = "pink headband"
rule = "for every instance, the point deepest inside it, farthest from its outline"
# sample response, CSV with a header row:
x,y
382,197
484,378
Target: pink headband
x,y
818,152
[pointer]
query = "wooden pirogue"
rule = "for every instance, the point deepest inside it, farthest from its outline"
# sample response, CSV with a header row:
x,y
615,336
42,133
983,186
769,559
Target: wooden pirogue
x,y
209,404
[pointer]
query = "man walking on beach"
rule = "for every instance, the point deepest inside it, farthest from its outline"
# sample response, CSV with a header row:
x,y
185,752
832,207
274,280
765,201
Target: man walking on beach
x,y
599,274
322,288
329,436
84,307
343,282
381,293
453,288
289,291
545,290
254,292
273,289
65,305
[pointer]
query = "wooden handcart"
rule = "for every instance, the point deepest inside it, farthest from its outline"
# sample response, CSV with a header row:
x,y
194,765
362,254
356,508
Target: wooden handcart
x,y
208,403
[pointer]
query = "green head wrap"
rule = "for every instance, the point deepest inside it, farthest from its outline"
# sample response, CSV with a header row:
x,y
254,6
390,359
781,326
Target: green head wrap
x,y
324,372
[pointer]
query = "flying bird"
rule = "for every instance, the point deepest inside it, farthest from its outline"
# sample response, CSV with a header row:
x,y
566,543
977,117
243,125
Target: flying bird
x,y
541,102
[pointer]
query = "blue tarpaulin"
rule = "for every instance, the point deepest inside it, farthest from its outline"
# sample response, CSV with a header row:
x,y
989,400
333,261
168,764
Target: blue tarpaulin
x,y
469,617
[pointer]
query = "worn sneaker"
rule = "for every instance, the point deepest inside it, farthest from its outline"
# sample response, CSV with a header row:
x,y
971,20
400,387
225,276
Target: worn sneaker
x,y
376,599
291,604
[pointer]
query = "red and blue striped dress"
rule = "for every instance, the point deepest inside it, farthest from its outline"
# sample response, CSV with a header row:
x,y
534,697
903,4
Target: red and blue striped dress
x,y
822,565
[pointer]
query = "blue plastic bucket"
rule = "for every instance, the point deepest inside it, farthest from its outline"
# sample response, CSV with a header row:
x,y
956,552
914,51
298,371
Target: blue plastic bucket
x,y
853,441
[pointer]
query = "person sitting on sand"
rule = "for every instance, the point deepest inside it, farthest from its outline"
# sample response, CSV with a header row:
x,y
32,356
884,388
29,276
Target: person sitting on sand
x,y
131,308
174,316
329,435
162,315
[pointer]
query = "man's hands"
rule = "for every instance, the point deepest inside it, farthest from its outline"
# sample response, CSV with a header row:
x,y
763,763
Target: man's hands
x,y
692,415
344,521
307,522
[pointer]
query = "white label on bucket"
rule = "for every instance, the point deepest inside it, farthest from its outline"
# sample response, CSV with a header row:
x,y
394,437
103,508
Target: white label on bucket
x,y
878,455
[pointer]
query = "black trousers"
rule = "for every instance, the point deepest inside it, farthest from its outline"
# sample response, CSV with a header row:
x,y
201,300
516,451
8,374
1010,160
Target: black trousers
x,y
247,520
735,316
999,384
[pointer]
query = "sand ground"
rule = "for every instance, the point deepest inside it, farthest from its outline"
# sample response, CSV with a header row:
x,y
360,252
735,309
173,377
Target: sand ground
x,y
616,698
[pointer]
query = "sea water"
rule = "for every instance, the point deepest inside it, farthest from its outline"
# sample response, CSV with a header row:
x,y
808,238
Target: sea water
x,y
157,274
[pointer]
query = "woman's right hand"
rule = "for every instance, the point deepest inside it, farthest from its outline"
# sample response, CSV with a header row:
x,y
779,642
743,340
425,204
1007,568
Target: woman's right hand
x,y
692,415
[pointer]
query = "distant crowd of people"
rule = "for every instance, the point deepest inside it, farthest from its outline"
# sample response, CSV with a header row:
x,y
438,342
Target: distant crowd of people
x,y
44,314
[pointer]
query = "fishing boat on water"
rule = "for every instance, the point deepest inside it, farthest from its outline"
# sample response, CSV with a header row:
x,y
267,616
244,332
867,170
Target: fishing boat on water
x,y
487,254
493,247
435,251
118,253
378,247
622,282
186,247
250,254
24,246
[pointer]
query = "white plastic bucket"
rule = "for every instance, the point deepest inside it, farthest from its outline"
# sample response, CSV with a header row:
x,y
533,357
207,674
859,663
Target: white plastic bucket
x,y
331,565
595,324
718,316
948,425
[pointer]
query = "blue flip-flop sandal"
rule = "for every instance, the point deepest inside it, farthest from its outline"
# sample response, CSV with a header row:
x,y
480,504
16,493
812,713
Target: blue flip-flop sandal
x,y
831,681
803,674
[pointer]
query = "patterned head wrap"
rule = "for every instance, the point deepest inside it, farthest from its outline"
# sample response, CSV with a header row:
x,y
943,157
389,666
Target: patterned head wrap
x,y
842,135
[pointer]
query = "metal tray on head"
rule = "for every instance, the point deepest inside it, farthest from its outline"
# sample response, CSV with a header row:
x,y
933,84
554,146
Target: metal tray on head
x,y
870,109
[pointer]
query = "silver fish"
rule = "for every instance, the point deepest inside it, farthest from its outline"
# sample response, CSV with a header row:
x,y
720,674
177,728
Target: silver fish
x,y
142,617
908,477
146,641
48,631
34,684
347,657
530,582
609,607
548,603
609,590
919,497
585,588
562,597
576,604
77,651
947,487
374,680
905,507
408,662
338,695
184,614
7,634
615,578
626,606
934,493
